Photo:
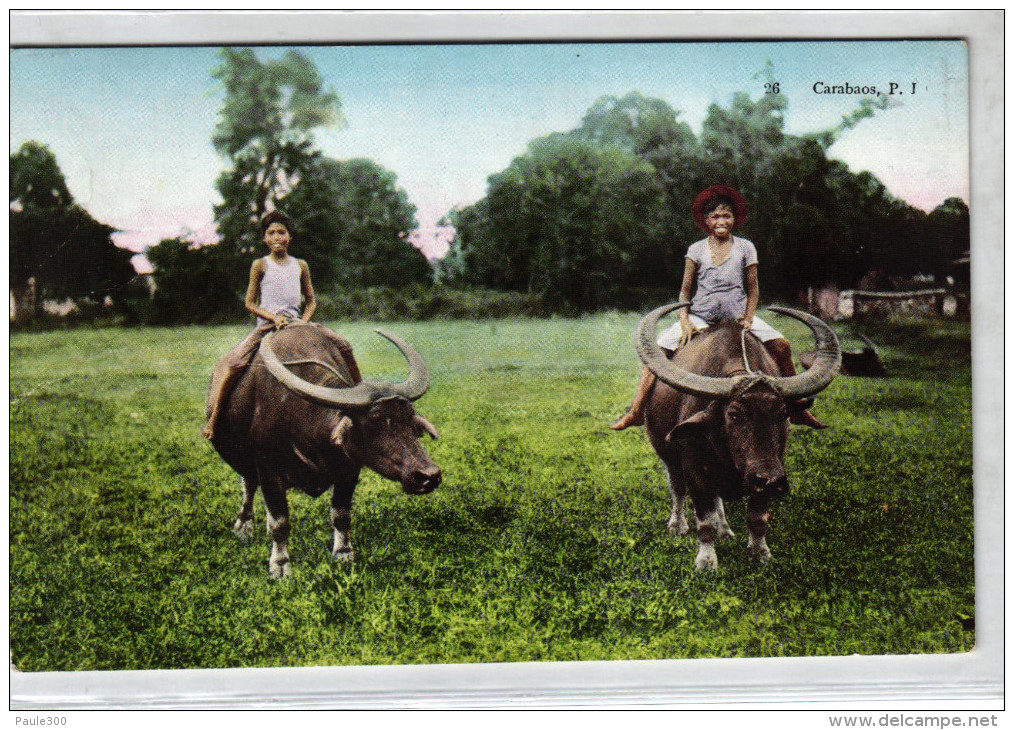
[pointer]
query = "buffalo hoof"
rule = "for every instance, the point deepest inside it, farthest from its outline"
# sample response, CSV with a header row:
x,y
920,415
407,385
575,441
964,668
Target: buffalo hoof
x,y
759,552
706,558
678,525
243,529
279,570
724,531
343,556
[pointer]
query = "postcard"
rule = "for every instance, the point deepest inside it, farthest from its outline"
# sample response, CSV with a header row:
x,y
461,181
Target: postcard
x,y
600,364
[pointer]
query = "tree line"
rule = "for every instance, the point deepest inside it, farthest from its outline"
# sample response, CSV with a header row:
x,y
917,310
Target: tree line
x,y
595,217
353,221
600,216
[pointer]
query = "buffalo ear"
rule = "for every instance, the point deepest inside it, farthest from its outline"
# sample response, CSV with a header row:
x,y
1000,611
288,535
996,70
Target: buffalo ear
x,y
797,405
341,432
426,426
694,427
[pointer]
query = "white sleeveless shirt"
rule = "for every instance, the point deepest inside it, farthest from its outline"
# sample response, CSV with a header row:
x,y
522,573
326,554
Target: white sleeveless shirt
x,y
280,288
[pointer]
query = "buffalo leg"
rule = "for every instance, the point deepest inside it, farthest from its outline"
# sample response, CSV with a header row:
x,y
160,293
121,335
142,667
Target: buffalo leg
x,y
678,492
243,528
708,510
757,524
277,507
722,525
341,519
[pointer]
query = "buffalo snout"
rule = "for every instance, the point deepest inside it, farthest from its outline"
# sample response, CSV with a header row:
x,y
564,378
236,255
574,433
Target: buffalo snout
x,y
422,480
771,483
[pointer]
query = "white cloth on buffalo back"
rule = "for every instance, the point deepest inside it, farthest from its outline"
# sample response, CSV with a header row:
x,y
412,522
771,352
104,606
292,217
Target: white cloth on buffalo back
x,y
670,337
280,288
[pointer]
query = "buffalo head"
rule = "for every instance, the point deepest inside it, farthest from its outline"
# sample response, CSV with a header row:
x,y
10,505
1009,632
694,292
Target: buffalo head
x,y
385,437
751,427
374,422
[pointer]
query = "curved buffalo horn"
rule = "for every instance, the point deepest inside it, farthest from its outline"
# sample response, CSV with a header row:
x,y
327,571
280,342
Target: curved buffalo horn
x,y
664,369
418,380
826,361
360,395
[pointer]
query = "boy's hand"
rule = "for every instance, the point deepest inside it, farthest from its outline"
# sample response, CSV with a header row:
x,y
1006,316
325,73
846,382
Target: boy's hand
x,y
688,331
745,322
280,321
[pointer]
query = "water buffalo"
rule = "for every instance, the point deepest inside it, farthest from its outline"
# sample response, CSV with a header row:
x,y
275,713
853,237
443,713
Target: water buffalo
x,y
717,418
862,364
296,419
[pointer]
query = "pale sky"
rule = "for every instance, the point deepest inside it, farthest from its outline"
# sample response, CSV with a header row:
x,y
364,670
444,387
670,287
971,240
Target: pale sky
x,y
131,127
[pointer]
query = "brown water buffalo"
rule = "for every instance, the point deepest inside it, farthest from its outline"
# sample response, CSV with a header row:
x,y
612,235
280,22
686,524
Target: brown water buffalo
x,y
294,419
717,418
862,364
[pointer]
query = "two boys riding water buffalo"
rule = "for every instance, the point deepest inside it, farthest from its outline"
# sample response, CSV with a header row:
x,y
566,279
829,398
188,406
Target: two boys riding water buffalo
x,y
723,270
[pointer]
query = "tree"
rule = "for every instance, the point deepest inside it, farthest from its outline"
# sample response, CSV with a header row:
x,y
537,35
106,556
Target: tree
x,y
949,235
813,220
564,220
36,181
468,261
637,123
353,225
742,142
651,129
191,284
55,241
265,130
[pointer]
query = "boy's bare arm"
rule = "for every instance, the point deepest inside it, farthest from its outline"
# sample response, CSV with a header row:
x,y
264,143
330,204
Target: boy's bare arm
x,y
307,286
687,288
687,291
752,294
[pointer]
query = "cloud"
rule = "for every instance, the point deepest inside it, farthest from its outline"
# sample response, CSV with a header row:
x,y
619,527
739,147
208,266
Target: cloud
x,y
148,225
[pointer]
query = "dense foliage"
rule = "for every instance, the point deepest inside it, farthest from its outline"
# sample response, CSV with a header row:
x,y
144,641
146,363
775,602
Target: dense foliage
x,y
54,241
192,284
546,541
621,184
353,225
419,302
568,221
586,220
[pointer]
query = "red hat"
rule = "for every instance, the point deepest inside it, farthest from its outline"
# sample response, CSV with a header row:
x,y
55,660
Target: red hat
x,y
738,204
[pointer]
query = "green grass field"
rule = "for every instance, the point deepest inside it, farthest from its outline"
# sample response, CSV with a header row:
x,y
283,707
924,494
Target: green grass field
x,y
546,541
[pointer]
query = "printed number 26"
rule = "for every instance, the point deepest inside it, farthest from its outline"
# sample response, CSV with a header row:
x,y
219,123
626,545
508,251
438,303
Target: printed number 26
x,y
771,88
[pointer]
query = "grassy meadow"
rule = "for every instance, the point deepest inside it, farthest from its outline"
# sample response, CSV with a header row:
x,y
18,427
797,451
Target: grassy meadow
x,y
546,541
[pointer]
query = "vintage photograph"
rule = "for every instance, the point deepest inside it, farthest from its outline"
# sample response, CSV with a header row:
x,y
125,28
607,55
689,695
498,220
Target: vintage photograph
x,y
422,354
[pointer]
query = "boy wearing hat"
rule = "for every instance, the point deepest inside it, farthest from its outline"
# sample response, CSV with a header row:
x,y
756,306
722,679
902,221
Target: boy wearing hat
x,y
724,269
